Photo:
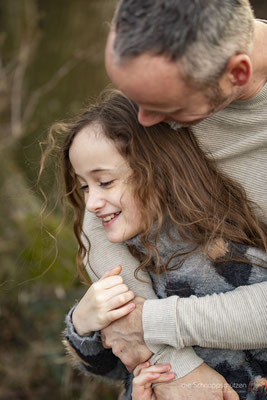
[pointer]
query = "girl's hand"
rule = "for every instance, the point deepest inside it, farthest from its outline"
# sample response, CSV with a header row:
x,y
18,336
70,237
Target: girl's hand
x,y
144,376
104,302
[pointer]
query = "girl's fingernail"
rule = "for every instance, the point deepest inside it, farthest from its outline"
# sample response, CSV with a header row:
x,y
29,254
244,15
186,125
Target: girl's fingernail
x,y
166,367
170,374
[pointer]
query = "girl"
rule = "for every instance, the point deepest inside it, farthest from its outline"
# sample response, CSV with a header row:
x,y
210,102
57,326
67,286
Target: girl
x,y
192,227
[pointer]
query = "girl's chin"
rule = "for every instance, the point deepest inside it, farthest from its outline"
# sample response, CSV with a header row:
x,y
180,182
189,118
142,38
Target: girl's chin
x,y
120,239
115,240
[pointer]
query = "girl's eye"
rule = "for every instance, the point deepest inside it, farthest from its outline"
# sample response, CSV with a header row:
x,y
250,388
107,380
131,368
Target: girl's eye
x,y
84,188
105,184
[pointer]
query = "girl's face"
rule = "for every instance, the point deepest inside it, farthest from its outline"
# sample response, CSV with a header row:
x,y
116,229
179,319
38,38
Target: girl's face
x,y
103,174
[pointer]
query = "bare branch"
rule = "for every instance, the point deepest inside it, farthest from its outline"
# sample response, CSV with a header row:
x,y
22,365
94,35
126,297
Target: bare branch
x,y
16,90
28,43
53,82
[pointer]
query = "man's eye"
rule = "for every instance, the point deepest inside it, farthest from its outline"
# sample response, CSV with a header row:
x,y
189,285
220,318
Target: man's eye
x,y
83,188
105,184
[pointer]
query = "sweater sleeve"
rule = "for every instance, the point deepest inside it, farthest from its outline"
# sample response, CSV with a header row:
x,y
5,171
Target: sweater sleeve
x,y
88,354
190,321
104,256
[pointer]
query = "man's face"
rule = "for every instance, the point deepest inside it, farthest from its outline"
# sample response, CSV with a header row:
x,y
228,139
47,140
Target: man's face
x,y
155,84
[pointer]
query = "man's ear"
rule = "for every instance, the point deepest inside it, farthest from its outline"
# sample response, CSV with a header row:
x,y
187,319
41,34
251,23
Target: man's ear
x,y
239,69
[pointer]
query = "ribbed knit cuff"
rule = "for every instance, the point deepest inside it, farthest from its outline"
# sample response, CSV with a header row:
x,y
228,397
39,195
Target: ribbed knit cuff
x,y
182,361
162,336
160,323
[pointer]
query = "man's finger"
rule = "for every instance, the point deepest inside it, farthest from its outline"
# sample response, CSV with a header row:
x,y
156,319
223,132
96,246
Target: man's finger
x,y
229,393
103,340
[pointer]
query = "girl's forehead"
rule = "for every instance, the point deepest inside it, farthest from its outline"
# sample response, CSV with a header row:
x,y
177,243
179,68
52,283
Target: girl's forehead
x,y
92,136
94,128
92,152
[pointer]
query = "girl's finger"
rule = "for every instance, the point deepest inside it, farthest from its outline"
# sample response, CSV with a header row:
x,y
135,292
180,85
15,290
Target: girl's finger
x,y
111,272
165,377
115,291
146,378
120,300
109,281
139,367
157,368
120,312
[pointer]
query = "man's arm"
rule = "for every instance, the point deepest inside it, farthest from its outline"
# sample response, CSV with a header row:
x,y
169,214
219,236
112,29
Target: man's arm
x,y
185,363
105,255
190,321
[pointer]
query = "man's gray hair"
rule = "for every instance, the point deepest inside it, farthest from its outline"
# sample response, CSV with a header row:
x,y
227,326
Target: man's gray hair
x,y
201,34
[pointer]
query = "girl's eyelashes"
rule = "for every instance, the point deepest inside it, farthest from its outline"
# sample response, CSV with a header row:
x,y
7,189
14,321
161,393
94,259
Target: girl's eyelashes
x,y
83,188
105,184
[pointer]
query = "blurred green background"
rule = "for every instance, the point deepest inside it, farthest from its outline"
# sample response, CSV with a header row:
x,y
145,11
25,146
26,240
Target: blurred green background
x,y
51,65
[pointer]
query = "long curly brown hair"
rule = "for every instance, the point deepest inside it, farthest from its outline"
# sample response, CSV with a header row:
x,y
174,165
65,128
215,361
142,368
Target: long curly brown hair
x,y
171,176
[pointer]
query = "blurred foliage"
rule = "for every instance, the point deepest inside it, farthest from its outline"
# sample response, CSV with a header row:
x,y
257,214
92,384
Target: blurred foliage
x,y
51,65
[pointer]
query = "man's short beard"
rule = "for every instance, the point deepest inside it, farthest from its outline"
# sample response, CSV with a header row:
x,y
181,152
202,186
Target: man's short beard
x,y
217,100
175,125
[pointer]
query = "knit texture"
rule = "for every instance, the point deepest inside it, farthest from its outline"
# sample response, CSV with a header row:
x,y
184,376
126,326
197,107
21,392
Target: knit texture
x,y
89,355
236,138
198,276
108,256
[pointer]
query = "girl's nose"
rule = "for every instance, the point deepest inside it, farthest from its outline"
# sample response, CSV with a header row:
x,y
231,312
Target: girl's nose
x,y
94,201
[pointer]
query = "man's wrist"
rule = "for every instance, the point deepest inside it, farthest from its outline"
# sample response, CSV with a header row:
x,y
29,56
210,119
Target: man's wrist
x,y
182,361
159,318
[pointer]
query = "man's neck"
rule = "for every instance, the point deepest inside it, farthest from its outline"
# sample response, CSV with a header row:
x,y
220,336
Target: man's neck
x,y
259,63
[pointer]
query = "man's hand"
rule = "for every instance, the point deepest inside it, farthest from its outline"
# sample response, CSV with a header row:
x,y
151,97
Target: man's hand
x,y
126,337
203,383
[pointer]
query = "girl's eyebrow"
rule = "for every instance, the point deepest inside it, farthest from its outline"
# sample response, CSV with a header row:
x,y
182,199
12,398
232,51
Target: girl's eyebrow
x,y
94,171
115,168
97,170
100,170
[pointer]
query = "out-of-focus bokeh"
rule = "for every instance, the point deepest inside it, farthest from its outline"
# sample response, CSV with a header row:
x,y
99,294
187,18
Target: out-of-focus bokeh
x,y
51,65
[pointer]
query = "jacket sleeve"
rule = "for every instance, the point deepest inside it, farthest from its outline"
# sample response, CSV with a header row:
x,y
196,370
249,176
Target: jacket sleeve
x,y
88,354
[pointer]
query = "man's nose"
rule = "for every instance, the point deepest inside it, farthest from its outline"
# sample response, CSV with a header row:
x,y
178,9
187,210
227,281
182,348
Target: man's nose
x,y
149,118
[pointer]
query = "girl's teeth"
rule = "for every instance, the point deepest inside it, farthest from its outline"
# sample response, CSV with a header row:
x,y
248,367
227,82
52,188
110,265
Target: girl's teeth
x,y
110,217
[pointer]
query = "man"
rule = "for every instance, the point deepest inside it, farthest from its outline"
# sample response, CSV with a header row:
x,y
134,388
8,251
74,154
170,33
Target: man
x,y
201,64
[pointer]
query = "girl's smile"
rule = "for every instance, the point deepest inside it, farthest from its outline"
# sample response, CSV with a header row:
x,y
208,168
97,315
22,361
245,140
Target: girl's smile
x,y
104,178
108,219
